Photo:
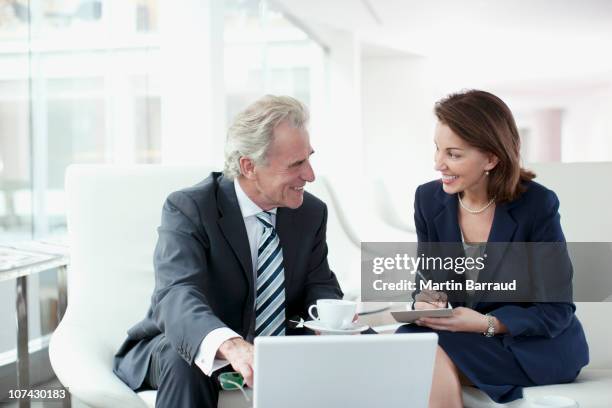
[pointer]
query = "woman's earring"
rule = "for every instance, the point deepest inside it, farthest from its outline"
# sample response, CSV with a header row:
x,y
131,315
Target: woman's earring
x,y
487,173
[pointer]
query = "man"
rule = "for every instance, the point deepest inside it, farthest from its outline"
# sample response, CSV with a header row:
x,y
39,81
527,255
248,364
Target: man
x,y
237,255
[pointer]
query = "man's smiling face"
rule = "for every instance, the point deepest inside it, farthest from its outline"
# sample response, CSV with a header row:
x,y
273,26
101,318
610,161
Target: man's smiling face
x,y
280,181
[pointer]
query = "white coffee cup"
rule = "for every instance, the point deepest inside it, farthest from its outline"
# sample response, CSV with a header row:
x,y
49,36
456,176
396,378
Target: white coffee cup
x,y
552,401
334,313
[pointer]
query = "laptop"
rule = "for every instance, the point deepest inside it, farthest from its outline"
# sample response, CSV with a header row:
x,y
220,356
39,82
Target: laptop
x,y
378,370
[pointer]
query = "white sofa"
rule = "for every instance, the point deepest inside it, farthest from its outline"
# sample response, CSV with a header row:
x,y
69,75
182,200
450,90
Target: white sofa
x,y
113,213
585,196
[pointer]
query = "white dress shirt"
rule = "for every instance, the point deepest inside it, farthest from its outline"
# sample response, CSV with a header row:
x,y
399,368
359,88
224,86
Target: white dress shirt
x,y
205,358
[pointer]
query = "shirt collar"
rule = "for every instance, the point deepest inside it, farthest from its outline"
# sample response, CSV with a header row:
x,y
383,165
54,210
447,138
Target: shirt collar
x,y
247,207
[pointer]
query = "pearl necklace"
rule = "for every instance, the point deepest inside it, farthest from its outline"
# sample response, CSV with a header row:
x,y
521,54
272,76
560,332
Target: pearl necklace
x,y
466,208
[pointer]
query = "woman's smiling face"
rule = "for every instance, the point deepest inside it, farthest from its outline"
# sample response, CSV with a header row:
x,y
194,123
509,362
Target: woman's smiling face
x,y
462,166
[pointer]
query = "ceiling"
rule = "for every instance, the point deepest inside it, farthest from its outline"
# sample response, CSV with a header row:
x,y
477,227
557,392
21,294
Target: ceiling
x,y
486,40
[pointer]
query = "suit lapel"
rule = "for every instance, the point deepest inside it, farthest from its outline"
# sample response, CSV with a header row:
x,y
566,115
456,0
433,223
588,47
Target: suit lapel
x,y
503,226
232,226
447,228
502,232
287,233
446,222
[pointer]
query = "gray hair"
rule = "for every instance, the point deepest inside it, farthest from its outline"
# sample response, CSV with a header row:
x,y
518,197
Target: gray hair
x,y
251,132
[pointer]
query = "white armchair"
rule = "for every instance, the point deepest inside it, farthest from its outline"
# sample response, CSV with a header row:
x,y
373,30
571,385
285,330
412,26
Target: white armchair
x,y
113,213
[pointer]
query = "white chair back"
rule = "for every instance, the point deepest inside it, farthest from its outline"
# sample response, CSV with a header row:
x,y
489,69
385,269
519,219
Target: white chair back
x,y
344,254
585,195
585,198
113,213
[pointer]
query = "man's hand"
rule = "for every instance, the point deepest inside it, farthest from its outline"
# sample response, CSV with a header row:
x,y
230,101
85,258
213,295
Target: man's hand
x,y
430,299
240,355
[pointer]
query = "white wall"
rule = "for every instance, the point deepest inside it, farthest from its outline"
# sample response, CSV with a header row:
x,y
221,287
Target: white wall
x,y
569,119
587,127
398,124
336,130
339,141
192,95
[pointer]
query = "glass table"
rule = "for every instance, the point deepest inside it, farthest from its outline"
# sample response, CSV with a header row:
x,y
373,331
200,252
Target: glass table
x,y
18,262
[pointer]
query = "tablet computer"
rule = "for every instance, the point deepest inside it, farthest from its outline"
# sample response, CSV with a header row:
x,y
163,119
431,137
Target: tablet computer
x,y
409,316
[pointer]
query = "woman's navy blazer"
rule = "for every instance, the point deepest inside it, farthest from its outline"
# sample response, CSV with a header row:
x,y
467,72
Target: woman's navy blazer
x,y
546,338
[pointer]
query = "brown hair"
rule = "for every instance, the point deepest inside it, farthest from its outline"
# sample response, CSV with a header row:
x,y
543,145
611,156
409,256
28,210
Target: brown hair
x,y
485,122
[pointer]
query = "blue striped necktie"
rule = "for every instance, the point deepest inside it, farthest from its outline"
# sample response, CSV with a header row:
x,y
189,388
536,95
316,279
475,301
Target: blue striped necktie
x,y
270,282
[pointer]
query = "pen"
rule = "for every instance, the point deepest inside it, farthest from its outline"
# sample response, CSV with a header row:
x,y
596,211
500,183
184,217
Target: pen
x,y
420,274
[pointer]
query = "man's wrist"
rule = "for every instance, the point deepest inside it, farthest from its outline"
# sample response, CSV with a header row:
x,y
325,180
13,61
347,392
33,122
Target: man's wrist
x,y
229,345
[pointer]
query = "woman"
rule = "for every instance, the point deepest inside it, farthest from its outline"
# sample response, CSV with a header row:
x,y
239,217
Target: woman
x,y
485,196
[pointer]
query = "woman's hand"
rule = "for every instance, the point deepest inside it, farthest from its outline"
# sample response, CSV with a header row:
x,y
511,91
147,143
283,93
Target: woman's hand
x,y
430,299
463,319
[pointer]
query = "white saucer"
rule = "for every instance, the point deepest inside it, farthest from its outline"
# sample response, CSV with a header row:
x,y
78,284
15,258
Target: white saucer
x,y
320,327
372,307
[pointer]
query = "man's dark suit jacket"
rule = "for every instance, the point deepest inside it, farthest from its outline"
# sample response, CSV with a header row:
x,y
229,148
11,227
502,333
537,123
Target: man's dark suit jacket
x,y
204,276
546,338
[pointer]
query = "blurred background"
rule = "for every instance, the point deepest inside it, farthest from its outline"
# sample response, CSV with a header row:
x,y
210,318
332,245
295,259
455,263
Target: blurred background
x,y
158,81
